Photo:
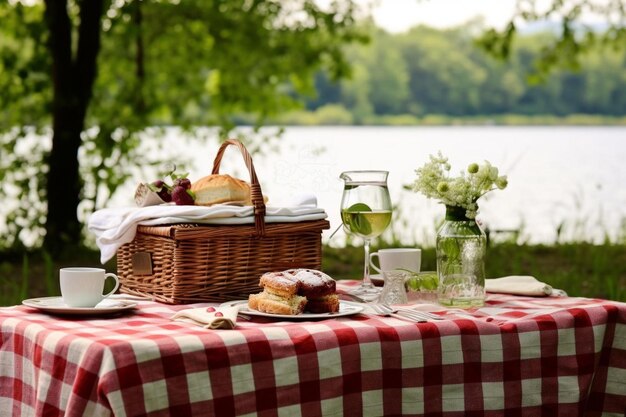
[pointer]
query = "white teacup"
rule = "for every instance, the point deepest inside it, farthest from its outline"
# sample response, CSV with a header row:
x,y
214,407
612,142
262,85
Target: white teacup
x,y
82,287
397,258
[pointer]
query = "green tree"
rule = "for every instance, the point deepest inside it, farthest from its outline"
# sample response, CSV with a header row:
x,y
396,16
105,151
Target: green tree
x,y
99,73
74,53
25,103
442,77
574,36
605,80
389,78
429,71
537,98
355,92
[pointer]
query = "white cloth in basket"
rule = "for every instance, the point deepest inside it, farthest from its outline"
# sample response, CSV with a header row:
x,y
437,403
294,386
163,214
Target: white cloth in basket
x,y
114,227
209,317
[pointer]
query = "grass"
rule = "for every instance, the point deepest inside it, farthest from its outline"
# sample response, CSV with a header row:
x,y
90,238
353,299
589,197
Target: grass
x,y
581,269
35,273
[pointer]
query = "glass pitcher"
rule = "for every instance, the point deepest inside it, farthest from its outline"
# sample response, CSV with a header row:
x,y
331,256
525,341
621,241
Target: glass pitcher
x,y
366,213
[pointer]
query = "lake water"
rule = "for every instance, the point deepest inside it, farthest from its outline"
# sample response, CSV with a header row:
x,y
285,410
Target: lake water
x,y
573,178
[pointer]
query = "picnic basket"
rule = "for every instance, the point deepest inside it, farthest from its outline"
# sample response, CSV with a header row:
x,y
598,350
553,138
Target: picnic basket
x,y
187,263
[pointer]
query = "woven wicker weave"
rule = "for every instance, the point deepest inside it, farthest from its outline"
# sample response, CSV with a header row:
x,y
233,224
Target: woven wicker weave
x,y
186,263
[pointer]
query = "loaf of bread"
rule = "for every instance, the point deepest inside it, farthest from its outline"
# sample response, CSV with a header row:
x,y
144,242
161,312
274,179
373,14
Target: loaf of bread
x,y
294,291
218,188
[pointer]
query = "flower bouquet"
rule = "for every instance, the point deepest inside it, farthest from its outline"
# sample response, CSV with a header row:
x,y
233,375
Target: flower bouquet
x,y
434,181
461,243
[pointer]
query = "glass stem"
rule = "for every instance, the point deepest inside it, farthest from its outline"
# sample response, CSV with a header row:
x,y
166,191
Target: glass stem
x,y
367,282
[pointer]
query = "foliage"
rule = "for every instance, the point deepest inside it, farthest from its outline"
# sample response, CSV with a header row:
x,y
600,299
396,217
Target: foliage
x,y
188,63
440,75
34,273
582,270
250,62
573,37
25,100
337,114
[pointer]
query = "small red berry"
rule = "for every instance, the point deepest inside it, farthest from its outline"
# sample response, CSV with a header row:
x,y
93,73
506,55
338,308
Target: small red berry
x,y
181,197
165,195
183,182
210,309
218,314
162,189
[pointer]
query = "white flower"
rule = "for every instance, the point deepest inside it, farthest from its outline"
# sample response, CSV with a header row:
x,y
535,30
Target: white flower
x,y
463,191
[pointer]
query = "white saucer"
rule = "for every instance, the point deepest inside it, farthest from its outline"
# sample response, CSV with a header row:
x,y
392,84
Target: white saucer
x,y
57,306
346,308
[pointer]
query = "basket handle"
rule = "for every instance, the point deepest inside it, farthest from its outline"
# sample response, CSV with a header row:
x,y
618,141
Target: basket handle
x,y
255,188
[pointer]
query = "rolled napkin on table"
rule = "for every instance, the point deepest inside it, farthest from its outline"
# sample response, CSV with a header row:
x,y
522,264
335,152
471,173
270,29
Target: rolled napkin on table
x,y
209,317
519,285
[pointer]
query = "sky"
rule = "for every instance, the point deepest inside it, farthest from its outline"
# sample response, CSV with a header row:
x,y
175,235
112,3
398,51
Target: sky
x,y
400,15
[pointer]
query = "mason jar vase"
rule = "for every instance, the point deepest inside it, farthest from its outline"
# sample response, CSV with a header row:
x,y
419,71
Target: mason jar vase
x,y
461,248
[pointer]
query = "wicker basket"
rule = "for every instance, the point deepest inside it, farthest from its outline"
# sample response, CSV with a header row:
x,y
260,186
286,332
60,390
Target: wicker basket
x,y
186,263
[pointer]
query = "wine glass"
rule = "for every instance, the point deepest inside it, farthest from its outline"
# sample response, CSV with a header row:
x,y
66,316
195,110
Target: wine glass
x,y
366,213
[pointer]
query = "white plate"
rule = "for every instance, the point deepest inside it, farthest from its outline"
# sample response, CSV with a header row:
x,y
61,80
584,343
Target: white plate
x,y
346,308
57,306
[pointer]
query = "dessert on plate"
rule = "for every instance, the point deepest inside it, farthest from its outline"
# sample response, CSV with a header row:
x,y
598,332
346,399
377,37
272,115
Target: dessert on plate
x,y
295,291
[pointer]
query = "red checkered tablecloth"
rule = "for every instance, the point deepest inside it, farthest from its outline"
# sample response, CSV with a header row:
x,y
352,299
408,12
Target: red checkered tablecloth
x,y
516,356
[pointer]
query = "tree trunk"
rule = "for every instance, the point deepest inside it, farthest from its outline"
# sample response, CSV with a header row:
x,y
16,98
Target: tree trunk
x,y
72,79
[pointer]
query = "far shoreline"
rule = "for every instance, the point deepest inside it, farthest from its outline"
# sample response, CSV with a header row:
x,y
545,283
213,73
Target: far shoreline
x,y
337,117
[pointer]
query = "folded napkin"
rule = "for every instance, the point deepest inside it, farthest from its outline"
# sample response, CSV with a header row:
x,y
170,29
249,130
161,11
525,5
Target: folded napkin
x,y
518,285
114,227
209,317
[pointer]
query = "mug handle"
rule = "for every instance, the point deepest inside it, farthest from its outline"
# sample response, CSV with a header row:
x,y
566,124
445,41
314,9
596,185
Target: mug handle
x,y
372,262
117,283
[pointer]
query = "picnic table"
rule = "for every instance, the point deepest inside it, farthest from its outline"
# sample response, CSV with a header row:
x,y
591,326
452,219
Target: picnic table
x,y
516,356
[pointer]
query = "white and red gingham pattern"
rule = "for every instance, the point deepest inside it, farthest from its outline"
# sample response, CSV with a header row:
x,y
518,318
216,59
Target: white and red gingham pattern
x,y
515,357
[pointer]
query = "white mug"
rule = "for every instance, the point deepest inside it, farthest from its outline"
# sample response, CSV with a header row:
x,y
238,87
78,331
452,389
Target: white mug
x,y
397,258
82,287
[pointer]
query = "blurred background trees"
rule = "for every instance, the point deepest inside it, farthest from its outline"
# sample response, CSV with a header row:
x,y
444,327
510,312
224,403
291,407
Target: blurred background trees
x,y
428,71
93,75
84,83
87,80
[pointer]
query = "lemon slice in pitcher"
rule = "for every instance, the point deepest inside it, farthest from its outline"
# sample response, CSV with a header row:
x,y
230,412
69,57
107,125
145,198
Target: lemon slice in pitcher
x,y
355,219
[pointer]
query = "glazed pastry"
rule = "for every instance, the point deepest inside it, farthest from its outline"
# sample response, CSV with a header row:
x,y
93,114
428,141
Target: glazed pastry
x,y
271,304
295,290
319,289
279,295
